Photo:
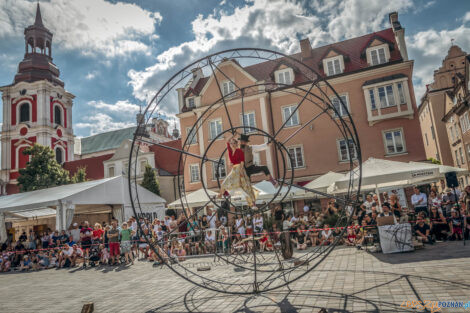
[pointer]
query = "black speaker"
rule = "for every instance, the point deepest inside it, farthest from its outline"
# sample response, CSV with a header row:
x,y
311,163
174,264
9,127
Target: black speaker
x,y
451,180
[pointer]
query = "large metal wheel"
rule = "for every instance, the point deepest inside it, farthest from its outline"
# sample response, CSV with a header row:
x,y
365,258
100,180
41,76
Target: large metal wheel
x,y
254,272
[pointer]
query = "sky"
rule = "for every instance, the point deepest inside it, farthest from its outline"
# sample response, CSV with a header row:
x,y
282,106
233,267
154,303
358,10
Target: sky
x,y
114,55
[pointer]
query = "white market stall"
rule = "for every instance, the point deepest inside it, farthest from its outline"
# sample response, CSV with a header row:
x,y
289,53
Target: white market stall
x,y
194,199
65,201
324,181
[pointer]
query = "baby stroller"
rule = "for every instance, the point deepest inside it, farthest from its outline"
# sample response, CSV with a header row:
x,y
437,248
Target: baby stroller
x,y
94,255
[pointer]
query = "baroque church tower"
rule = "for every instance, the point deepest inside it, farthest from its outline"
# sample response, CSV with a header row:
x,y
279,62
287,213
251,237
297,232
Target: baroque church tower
x,y
36,108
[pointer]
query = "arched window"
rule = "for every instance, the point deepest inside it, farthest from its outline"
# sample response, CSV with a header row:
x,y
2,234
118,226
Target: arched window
x,y
58,155
57,115
24,112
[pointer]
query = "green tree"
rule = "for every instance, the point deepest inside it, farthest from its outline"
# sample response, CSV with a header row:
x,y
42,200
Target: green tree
x,y
150,181
42,171
79,176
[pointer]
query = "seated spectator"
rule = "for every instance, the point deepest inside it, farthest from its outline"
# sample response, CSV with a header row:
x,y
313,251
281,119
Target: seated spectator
x,y
351,237
313,236
326,235
77,254
5,262
65,256
26,263
209,242
104,255
300,239
423,231
143,245
386,212
238,245
439,226
455,225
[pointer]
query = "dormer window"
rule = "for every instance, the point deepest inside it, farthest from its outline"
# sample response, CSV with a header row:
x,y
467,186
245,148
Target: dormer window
x,y
334,65
190,103
284,76
378,54
228,88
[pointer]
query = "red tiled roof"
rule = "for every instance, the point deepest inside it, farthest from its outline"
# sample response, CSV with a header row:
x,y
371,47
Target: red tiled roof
x,y
94,166
166,159
353,49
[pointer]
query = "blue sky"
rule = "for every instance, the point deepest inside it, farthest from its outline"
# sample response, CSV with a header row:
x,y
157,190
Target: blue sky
x,y
113,55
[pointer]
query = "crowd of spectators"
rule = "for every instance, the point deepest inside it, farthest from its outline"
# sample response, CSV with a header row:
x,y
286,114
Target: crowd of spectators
x,y
434,216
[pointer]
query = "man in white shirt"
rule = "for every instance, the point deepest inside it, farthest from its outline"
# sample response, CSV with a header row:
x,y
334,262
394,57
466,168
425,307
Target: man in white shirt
x,y
419,201
367,205
306,208
67,252
258,223
250,167
212,218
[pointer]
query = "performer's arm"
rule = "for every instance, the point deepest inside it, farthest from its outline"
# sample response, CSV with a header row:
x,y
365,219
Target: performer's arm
x,y
259,148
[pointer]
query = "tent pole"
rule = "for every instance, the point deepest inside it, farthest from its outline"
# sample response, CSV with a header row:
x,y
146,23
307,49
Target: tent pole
x,y
378,197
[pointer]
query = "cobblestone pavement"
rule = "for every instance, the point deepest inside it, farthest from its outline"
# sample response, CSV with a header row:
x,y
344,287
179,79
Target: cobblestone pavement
x,y
347,281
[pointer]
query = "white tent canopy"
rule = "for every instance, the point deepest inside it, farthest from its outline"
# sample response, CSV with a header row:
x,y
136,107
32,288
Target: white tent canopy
x,y
324,181
194,199
379,173
108,191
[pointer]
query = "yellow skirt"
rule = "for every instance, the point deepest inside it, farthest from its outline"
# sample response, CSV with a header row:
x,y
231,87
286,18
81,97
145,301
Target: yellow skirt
x,y
238,179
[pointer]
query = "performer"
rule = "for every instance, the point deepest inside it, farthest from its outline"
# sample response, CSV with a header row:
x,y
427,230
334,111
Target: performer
x,y
237,178
248,151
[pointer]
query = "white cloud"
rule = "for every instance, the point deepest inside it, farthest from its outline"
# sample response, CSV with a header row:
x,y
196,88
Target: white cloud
x,y
91,75
260,24
100,123
428,49
88,26
122,106
466,17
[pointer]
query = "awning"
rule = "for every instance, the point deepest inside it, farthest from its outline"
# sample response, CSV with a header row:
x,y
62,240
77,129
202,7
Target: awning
x,y
46,212
194,199
324,181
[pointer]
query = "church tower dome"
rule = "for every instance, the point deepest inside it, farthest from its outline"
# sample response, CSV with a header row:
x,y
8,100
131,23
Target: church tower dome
x,y
37,63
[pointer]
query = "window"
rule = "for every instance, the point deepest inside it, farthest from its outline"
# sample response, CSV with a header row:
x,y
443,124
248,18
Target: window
x,y
143,165
221,172
333,66
341,108
377,56
468,150
125,168
57,115
451,132
296,156
461,155
465,122
111,171
456,130
372,99
346,152
191,103
194,172
286,113
284,77
228,88
59,155
386,96
456,158
426,137
24,112
394,142
191,135
401,93
249,121
433,134
215,128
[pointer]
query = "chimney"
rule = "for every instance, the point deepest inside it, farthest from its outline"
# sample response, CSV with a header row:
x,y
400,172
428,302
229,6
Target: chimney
x,y
305,48
399,33
197,75
180,98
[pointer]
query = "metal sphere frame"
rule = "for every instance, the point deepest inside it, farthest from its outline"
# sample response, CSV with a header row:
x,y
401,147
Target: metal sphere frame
x,y
268,270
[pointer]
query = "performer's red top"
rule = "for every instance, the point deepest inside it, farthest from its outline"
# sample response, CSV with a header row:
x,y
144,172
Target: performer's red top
x,y
236,157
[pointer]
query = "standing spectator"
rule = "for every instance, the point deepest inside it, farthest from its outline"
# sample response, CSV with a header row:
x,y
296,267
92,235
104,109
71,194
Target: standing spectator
x,y
466,198
86,234
97,234
367,205
126,235
32,240
435,200
64,237
448,201
423,230
75,233
113,238
287,224
143,245
396,208
45,240
240,226
258,223
419,201
212,217
278,216
306,208
23,238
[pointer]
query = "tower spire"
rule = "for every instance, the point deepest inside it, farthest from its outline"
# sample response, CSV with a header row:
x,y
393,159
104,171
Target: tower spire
x,y
38,21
